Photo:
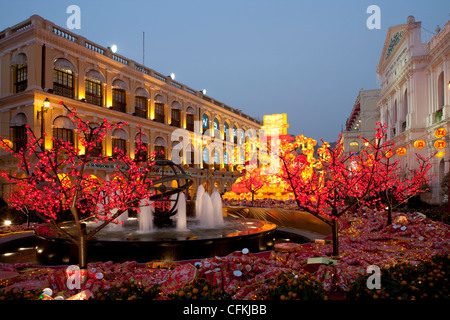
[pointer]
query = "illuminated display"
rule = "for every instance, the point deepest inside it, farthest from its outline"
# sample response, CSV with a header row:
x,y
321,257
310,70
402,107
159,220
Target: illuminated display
x,y
440,144
440,132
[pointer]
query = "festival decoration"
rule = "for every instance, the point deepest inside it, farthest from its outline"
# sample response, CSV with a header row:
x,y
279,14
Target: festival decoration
x,y
56,180
6,144
401,151
440,133
440,144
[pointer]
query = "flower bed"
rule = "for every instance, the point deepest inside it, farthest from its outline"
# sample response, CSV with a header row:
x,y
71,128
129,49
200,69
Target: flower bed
x,y
412,254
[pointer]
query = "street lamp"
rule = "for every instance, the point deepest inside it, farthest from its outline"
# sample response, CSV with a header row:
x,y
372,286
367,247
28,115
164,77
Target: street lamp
x,y
40,114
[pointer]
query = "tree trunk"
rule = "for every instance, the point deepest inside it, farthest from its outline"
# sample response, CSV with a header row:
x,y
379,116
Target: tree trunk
x,y
335,233
253,196
389,222
82,248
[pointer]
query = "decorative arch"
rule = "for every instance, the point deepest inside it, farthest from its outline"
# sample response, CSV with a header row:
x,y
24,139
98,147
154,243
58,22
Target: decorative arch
x,y
92,73
64,63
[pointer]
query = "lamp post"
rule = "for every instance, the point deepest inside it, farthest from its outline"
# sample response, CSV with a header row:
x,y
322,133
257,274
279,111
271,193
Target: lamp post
x,y
40,114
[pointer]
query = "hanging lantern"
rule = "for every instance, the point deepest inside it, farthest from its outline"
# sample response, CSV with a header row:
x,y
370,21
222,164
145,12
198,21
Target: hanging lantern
x,y
419,144
440,144
388,154
6,144
401,151
440,154
440,132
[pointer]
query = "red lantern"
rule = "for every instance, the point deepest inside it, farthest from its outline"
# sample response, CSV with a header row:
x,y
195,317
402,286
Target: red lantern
x,y
440,132
419,144
440,144
401,151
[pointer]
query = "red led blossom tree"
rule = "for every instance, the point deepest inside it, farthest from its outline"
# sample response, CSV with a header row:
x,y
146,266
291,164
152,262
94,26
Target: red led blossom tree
x,y
336,182
51,181
253,181
397,185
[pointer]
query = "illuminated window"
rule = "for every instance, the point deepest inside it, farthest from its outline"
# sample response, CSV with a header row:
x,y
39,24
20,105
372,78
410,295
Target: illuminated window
x,y
21,78
119,100
93,92
354,146
205,122
140,106
176,118
63,83
159,112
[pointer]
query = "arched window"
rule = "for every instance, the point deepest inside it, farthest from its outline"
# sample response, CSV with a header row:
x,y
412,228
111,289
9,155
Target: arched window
x,y
235,134
394,118
160,148
18,131
119,141
190,112
62,130
216,159
176,114
441,91
405,110
63,74
226,128
205,122
93,87
97,149
19,65
205,157
119,95
160,114
216,124
141,103
225,160
141,147
190,155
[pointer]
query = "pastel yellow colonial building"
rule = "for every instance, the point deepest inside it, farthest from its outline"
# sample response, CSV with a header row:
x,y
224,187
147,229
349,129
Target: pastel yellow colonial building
x,y
42,62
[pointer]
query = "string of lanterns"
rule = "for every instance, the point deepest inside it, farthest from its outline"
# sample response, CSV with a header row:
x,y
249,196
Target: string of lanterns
x,y
419,144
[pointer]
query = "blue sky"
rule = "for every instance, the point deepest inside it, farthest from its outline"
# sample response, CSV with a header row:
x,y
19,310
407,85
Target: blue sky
x,y
308,59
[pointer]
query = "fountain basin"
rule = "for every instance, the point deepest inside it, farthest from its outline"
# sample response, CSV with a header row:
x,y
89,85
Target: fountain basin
x,y
166,244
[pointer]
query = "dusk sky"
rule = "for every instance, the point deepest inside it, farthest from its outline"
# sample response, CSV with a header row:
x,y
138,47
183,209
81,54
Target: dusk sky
x,y
308,59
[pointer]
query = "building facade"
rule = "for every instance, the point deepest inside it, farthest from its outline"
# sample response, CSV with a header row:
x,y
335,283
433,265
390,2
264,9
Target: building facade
x,y
40,61
362,120
415,93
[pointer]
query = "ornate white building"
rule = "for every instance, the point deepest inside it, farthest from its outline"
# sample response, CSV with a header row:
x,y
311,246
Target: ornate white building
x,y
415,93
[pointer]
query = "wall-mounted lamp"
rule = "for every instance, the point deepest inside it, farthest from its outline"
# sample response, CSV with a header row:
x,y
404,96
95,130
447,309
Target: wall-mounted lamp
x,y
40,115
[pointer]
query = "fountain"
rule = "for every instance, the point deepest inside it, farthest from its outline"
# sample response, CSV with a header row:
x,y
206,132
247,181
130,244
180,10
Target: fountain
x,y
154,235
181,214
198,201
216,201
146,216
